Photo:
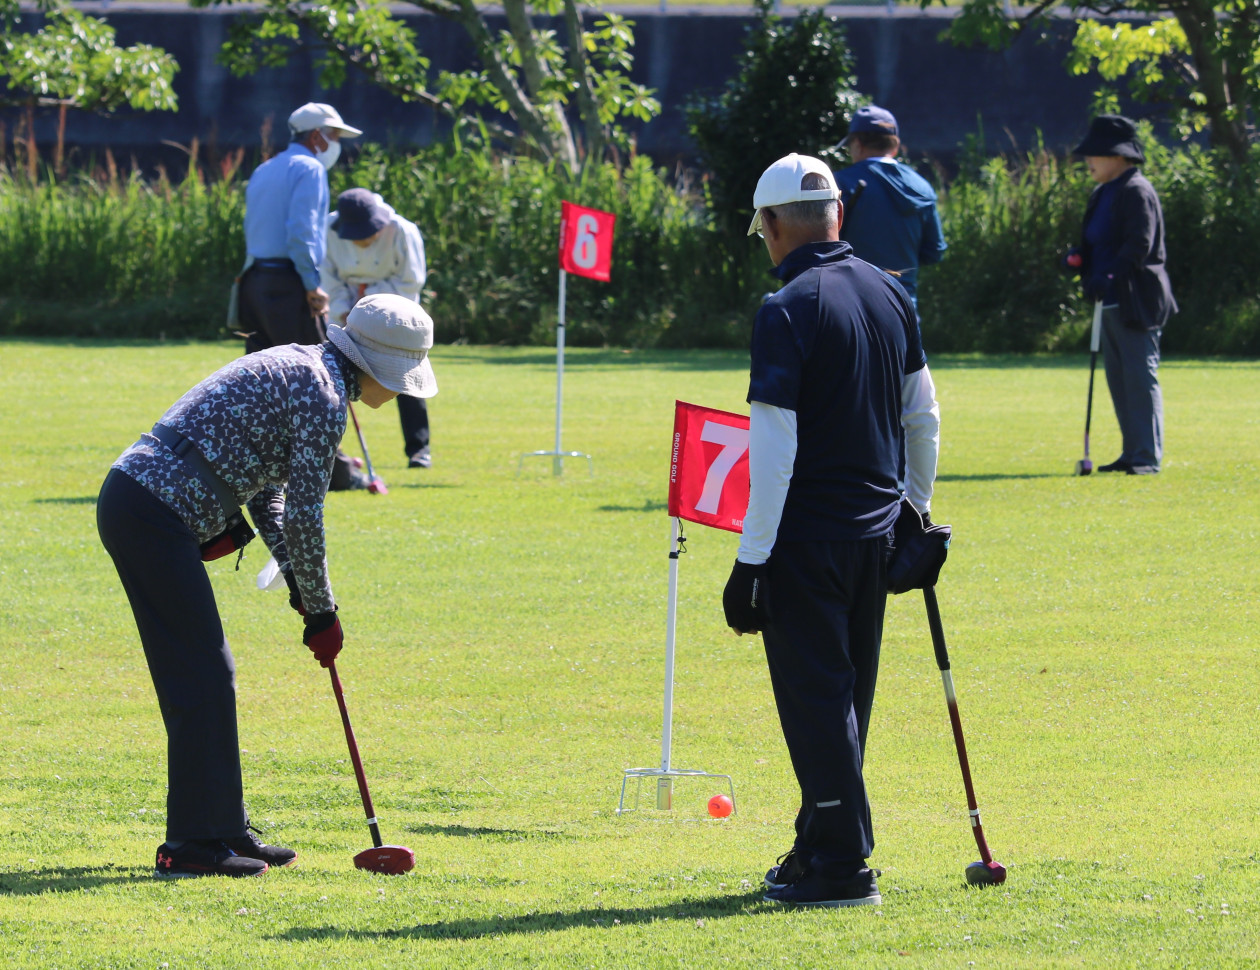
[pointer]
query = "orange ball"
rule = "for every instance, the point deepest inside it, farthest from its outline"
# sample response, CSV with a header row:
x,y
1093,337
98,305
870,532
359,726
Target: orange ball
x,y
721,806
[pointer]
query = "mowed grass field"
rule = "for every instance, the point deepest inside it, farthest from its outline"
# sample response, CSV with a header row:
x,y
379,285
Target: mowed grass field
x,y
504,665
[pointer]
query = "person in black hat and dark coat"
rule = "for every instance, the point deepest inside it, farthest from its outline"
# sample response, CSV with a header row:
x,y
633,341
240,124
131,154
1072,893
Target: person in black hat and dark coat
x,y
1122,265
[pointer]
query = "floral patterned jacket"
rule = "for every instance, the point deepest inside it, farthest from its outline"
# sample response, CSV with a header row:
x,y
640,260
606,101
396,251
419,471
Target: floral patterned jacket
x,y
269,424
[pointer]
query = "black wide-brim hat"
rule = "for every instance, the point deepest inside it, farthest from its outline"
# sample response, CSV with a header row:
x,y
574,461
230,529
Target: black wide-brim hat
x,y
1112,135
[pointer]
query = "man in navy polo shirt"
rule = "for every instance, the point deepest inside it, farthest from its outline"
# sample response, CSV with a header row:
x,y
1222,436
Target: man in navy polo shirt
x,y
838,374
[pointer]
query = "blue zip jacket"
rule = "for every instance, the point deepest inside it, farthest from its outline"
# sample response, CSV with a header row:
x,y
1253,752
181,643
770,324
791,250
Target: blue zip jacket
x,y
892,220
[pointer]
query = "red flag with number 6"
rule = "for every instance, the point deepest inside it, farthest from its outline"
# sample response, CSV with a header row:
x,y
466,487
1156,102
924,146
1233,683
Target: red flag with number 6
x,y
708,467
586,238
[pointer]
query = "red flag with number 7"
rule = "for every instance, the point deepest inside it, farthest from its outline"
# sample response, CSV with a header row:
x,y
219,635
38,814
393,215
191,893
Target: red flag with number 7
x,y
708,468
586,238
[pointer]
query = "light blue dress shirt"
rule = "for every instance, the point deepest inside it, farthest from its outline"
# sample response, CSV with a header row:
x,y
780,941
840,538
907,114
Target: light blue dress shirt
x,y
286,204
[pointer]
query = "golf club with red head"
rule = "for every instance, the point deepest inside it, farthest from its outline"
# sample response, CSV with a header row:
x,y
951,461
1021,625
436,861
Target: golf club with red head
x,y
986,872
392,860
1085,466
376,484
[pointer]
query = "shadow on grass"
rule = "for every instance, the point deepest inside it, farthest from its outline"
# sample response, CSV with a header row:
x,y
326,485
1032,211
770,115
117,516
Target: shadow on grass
x,y
473,928
42,881
423,485
998,477
69,500
648,506
485,832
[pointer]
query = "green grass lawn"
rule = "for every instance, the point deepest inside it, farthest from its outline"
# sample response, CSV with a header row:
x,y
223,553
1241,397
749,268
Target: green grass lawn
x,y
504,665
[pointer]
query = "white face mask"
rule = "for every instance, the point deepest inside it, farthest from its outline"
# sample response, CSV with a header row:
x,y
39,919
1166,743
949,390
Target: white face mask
x,y
328,157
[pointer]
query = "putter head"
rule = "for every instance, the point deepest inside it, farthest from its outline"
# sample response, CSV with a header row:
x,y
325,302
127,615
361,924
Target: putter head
x,y
392,860
377,487
1084,466
986,874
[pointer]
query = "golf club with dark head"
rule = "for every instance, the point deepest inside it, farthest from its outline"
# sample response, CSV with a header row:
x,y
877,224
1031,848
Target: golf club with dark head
x,y
986,872
376,484
392,860
1085,466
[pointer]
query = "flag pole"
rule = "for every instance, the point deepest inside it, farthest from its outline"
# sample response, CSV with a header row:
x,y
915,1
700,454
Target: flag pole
x,y
666,773
665,784
557,454
557,463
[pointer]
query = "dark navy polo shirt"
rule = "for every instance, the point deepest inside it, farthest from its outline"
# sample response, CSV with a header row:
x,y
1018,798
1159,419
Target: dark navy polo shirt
x,y
834,345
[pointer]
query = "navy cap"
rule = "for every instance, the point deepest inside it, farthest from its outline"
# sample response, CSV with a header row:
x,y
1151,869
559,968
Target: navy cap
x,y
359,214
873,118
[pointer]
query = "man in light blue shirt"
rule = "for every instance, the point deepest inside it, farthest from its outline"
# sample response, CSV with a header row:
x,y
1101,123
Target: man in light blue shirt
x,y
279,300
286,204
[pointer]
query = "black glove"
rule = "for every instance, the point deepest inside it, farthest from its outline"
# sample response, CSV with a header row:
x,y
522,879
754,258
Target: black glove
x,y
744,600
295,594
920,550
323,636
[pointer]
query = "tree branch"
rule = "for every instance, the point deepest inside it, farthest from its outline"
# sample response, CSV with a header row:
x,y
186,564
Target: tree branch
x,y
587,107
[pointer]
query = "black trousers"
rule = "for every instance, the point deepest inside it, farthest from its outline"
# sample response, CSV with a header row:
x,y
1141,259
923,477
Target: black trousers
x,y
159,563
414,415
822,644
274,310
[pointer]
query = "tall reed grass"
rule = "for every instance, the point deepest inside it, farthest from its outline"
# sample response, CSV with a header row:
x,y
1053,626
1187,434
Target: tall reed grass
x,y
118,255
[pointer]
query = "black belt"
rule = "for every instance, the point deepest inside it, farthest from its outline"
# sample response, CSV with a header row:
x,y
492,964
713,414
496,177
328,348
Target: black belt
x,y
184,449
274,265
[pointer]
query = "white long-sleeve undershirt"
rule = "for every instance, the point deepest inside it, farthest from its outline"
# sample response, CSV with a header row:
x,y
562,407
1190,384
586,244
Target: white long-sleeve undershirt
x,y
772,456
921,420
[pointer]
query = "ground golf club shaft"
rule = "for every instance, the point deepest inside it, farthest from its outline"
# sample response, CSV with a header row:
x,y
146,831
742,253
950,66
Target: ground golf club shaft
x,y
986,872
390,859
376,485
1085,466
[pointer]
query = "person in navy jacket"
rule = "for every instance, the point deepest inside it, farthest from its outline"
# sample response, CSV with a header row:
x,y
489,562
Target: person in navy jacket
x,y
890,216
838,377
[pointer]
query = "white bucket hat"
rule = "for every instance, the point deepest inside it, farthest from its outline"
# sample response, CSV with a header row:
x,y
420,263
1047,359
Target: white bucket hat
x,y
314,115
780,184
388,337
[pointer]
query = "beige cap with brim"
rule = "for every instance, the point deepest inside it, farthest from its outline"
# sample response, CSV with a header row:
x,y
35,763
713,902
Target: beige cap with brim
x,y
388,337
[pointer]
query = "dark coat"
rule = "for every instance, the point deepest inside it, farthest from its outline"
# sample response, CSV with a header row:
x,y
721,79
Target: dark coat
x,y
1142,289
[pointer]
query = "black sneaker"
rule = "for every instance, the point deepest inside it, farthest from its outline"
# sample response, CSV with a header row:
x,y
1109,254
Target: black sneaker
x,y
789,869
812,889
252,847
204,857
1119,465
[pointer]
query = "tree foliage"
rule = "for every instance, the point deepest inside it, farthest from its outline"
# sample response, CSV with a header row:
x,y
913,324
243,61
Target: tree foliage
x,y
1200,57
793,92
72,61
527,73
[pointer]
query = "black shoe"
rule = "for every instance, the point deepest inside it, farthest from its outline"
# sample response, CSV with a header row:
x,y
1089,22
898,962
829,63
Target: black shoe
x,y
251,846
813,889
1119,465
204,857
421,459
789,869
1143,470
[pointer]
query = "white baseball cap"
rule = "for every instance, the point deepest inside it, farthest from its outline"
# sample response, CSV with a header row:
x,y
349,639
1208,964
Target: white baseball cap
x,y
780,184
315,115
388,337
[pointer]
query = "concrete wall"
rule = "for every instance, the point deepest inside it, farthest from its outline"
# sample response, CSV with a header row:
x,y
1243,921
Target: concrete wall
x,y
939,92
